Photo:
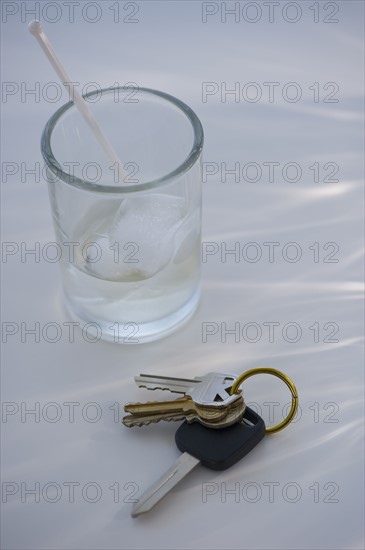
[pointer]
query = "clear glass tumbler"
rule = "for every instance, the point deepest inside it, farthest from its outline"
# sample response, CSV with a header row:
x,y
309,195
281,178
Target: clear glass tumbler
x,y
130,259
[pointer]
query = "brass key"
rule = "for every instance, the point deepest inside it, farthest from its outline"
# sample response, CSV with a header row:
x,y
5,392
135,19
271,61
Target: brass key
x,y
185,409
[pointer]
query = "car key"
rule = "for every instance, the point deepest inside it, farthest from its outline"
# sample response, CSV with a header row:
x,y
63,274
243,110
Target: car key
x,y
215,449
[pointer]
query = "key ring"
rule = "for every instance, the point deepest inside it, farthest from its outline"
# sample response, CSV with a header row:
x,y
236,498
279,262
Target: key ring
x,y
285,379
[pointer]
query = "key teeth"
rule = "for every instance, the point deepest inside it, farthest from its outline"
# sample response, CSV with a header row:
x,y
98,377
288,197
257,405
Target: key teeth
x,y
133,424
147,422
146,387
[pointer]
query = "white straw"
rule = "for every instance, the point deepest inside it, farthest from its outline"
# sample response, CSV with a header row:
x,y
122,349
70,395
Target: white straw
x,y
36,29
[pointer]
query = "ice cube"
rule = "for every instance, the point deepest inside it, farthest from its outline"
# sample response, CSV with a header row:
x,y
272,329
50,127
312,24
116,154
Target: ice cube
x,y
137,242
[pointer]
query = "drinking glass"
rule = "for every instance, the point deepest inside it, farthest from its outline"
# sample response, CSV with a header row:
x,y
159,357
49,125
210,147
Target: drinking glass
x,y
129,235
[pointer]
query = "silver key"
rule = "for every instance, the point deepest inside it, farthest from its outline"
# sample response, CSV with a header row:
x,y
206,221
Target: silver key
x,y
215,449
168,383
183,465
212,388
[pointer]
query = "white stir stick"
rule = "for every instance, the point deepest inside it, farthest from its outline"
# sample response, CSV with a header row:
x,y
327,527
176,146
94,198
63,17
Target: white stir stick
x,y
36,29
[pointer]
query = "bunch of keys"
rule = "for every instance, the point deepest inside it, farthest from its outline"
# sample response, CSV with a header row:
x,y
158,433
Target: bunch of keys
x,y
210,401
207,400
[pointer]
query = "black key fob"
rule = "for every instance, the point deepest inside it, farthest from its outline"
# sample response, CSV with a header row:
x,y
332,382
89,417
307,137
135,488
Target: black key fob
x,y
218,449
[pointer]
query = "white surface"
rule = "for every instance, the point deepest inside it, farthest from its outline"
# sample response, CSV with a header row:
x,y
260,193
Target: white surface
x,y
172,50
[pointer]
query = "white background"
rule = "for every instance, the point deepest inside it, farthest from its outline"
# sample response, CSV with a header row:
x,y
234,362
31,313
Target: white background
x,y
320,456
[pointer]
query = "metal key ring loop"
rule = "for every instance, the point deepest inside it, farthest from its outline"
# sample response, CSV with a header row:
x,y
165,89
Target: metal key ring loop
x,y
285,379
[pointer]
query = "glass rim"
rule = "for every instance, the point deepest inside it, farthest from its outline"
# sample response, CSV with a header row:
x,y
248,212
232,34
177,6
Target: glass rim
x,y
190,160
